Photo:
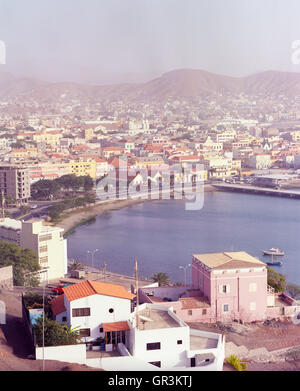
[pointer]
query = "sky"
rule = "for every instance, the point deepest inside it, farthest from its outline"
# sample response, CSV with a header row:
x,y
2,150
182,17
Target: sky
x,y
112,41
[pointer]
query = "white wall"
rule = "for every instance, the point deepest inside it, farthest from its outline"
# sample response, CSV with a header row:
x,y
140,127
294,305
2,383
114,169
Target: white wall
x,y
170,354
99,305
66,353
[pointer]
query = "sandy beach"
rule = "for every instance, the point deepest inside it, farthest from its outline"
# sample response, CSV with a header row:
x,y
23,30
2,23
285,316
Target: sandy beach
x,y
73,218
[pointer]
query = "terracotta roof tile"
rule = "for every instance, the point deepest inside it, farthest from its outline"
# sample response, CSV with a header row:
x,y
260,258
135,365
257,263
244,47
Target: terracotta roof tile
x,y
115,326
58,305
89,288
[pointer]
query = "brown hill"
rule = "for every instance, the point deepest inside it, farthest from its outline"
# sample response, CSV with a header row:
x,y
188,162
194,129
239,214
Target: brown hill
x,y
178,83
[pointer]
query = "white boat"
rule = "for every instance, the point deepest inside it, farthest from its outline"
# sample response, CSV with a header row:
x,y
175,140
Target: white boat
x,y
273,251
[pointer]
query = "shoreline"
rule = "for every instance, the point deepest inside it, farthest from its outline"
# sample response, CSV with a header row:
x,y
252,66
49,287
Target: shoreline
x,y
75,219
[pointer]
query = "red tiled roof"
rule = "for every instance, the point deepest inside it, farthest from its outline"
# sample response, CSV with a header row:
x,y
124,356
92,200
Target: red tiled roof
x,y
89,288
115,326
58,305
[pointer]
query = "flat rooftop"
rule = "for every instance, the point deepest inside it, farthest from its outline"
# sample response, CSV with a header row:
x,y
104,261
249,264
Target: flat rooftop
x,y
197,343
155,319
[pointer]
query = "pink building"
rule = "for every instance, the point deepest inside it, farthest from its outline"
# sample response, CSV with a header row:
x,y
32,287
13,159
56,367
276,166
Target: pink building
x,y
225,286
235,284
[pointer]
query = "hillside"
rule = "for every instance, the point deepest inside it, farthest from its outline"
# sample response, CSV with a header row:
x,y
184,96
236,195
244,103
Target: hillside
x,y
178,83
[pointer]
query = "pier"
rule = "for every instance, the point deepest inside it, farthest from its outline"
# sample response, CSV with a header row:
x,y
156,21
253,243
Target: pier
x,y
240,188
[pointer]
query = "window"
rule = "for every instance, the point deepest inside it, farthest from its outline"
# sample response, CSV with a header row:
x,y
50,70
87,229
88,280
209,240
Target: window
x,y
153,346
225,308
85,332
64,319
224,288
190,312
43,249
252,306
44,260
81,312
204,312
101,330
179,342
45,237
156,363
252,287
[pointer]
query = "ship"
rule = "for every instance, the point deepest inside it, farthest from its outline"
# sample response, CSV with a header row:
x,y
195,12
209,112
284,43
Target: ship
x,y
273,251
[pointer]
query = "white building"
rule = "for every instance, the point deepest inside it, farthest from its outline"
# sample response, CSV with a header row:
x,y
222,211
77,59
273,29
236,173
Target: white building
x,y
49,245
149,338
89,304
47,242
259,161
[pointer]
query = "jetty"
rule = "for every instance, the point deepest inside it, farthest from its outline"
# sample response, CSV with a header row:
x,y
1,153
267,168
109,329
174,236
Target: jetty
x,y
241,188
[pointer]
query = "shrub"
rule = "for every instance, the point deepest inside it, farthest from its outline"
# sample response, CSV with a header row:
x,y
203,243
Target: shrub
x,y
235,362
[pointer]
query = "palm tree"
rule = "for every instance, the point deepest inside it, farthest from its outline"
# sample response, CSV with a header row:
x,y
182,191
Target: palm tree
x,y
161,278
76,266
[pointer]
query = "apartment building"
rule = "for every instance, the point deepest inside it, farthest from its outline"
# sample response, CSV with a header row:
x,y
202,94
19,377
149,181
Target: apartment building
x,y
15,183
47,242
84,167
49,245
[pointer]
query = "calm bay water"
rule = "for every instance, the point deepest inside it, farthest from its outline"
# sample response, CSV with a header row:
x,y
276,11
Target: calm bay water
x,y
163,235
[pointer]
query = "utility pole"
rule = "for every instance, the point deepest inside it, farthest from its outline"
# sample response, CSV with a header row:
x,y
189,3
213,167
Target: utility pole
x,y
92,252
2,204
184,268
137,293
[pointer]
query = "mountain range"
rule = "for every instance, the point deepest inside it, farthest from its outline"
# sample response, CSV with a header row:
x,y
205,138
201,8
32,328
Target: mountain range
x,y
177,83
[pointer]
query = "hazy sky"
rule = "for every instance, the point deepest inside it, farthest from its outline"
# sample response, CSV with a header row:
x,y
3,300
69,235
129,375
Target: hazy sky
x,y
100,41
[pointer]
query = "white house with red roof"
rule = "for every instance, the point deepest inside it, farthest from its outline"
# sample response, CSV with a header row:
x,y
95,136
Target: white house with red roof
x,y
91,305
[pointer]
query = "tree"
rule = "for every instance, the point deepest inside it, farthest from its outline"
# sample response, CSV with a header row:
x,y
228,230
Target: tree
x,y
276,280
24,261
161,278
44,188
55,334
76,266
294,290
88,183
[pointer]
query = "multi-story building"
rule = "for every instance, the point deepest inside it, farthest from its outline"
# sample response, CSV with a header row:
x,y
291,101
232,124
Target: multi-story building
x,y
225,287
84,167
15,183
49,245
47,242
259,161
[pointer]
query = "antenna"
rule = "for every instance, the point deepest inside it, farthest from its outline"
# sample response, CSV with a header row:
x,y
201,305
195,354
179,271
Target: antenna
x,y
137,293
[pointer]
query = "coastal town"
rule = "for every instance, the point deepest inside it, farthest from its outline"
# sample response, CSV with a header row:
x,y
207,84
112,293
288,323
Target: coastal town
x,y
149,190
55,161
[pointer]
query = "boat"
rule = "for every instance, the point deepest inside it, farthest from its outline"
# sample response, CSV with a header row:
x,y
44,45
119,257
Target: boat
x,y
274,263
273,251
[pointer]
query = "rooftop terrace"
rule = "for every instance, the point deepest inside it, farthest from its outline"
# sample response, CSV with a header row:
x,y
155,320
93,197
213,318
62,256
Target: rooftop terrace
x,y
150,319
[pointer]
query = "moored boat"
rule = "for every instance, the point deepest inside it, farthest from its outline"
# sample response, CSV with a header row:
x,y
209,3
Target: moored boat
x,y
273,251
